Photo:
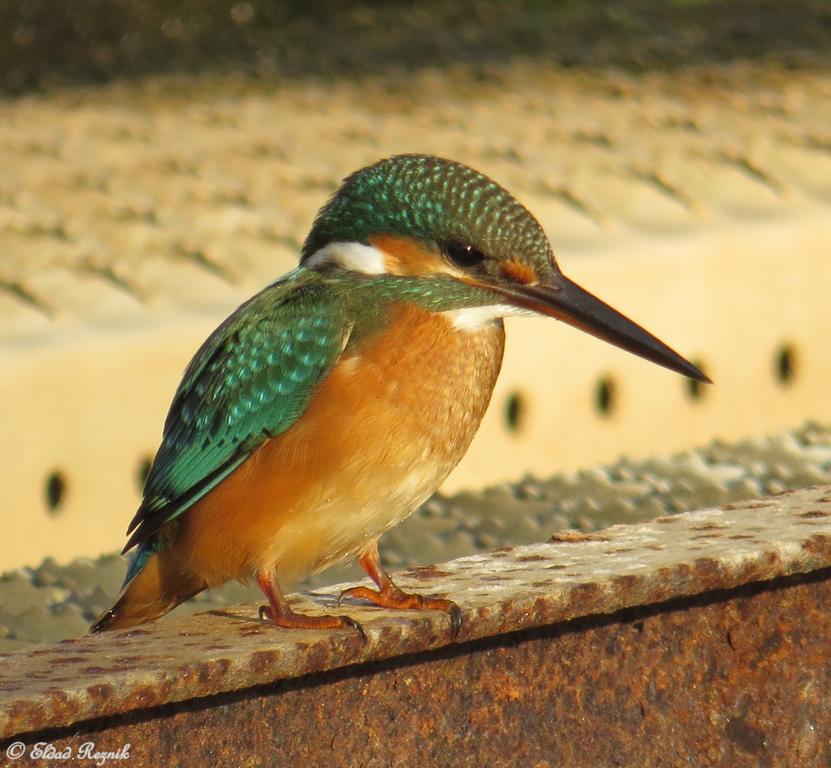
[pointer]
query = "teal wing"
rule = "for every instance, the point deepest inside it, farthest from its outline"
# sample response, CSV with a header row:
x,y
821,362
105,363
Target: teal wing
x,y
250,381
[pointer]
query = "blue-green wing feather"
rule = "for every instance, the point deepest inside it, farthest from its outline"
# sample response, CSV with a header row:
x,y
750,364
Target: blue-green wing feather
x,y
251,380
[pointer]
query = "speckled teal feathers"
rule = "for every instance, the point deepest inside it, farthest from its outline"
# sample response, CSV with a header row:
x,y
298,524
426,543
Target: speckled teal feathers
x,y
250,380
434,201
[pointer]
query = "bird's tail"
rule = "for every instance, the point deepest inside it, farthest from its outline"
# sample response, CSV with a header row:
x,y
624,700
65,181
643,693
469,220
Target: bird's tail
x,y
156,588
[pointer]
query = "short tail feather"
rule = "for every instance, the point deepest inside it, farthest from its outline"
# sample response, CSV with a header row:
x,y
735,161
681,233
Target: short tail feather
x,y
152,592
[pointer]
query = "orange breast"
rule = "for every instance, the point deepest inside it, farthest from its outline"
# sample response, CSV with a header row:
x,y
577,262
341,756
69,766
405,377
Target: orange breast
x,y
381,433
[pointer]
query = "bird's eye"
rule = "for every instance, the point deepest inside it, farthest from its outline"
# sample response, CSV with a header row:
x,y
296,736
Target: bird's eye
x,y
462,254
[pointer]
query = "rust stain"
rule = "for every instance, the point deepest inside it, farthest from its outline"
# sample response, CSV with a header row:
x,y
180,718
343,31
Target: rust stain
x,y
427,572
261,661
572,537
627,583
818,544
757,504
814,513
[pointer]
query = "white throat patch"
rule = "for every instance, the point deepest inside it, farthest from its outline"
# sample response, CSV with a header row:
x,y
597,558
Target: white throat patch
x,y
476,318
355,257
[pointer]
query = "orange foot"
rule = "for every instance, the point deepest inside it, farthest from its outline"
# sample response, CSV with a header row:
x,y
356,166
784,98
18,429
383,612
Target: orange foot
x,y
388,595
280,613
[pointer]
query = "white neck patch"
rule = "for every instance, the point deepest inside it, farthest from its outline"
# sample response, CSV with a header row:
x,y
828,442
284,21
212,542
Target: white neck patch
x,y
356,257
476,318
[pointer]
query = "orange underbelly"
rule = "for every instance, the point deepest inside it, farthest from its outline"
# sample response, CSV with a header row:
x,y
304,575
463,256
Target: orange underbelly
x,y
382,432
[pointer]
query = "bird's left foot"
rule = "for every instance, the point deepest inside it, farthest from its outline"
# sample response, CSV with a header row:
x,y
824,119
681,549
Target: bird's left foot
x,y
281,614
394,597
389,595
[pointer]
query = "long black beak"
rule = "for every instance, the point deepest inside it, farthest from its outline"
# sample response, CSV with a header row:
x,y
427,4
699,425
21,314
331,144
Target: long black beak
x,y
570,303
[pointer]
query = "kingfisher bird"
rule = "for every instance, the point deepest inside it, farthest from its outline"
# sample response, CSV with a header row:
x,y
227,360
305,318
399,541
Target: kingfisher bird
x,y
333,403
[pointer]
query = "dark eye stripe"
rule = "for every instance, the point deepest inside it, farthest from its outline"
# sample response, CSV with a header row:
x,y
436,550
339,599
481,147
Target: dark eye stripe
x,y
462,254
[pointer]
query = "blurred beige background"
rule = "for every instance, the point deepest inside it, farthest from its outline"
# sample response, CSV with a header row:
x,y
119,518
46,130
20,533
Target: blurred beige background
x,y
165,161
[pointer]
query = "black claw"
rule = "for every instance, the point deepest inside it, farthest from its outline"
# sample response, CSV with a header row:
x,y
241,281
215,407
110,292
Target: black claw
x,y
355,625
264,613
455,620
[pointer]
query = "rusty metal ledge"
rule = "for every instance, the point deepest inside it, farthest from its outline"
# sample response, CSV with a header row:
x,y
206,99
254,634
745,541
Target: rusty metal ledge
x,y
148,684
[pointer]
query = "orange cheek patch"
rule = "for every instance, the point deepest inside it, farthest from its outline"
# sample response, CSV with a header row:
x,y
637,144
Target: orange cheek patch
x,y
518,272
403,256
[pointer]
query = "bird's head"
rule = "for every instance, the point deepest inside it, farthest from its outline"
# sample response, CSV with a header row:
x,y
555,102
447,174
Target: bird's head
x,y
420,216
